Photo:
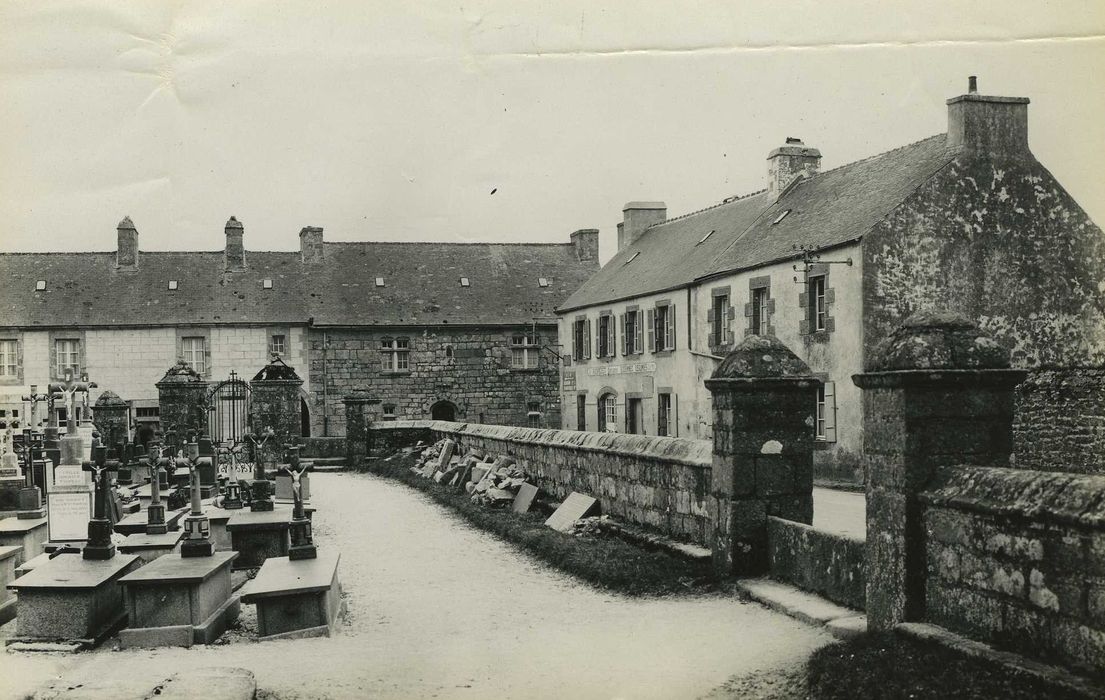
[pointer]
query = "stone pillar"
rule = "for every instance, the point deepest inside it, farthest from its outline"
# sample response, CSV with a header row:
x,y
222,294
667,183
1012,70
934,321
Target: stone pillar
x,y
182,397
937,392
358,436
110,416
765,402
274,402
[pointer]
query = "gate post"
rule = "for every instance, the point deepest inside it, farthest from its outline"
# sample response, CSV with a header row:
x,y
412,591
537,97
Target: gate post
x,y
182,400
109,415
937,392
358,421
765,402
274,401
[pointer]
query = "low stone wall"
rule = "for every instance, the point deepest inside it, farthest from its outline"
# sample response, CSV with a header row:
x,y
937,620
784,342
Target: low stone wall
x,y
831,565
1017,557
1059,422
323,447
658,482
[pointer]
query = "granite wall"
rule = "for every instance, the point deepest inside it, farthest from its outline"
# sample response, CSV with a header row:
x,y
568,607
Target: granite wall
x,y
1059,423
825,563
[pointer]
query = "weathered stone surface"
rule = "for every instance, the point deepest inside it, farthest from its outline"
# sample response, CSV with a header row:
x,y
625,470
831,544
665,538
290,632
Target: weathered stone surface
x,y
938,340
761,356
830,565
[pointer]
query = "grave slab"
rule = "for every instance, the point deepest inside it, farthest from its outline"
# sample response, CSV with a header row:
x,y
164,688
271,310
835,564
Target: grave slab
x,y
574,507
150,547
174,591
9,559
259,535
136,523
31,535
524,499
220,536
296,598
72,599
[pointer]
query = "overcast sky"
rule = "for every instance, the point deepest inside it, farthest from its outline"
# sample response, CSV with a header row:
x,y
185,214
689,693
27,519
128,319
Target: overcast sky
x,y
484,121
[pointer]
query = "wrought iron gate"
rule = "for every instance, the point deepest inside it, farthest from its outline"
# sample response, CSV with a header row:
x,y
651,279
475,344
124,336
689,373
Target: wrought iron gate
x,y
228,410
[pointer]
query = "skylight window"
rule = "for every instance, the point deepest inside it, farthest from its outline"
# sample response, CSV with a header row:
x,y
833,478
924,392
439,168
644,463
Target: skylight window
x,y
703,239
379,281
464,282
632,257
172,285
266,283
780,217
40,285
543,281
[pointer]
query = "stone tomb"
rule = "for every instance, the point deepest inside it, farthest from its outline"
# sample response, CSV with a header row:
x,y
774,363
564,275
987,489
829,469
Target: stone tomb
x,y
9,560
136,523
179,601
71,599
259,535
30,535
151,546
300,598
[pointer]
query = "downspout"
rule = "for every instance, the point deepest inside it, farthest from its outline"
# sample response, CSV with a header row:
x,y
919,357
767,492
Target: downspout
x,y
690,322
325,388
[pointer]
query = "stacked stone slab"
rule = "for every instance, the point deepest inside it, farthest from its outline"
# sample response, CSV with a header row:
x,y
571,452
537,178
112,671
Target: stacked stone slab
x,y
764,398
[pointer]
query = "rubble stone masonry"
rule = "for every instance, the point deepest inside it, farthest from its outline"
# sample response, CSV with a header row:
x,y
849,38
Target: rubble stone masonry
x,y
468,369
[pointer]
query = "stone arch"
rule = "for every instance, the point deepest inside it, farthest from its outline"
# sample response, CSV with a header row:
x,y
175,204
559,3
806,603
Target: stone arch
x,y
444,410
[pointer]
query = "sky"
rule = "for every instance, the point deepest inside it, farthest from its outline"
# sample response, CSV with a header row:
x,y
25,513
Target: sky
x,y
491,121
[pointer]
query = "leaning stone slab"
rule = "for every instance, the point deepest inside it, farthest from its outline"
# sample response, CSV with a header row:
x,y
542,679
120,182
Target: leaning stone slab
x,y
574,507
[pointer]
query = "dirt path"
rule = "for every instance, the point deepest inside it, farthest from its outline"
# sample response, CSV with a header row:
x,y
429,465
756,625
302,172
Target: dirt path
x,y
437,609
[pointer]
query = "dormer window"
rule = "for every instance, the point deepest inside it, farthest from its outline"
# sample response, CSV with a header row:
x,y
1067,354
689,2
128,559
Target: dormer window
x,y
40,286
543,281
464,282
703,239
780,217
172,285
379,281
266,284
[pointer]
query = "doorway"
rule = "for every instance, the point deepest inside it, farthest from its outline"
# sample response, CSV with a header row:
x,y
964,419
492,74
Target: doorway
x,y
443,410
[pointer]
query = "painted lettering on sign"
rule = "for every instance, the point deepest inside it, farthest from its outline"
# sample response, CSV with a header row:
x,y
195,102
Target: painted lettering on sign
x,y
630,368
569,379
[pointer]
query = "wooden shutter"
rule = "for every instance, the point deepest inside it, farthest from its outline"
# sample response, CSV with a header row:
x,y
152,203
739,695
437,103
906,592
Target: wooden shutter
x,y
673,417
612,337
731,315
830,411
710,324
638,333
830,296
650,327
669,328
625,335
587,339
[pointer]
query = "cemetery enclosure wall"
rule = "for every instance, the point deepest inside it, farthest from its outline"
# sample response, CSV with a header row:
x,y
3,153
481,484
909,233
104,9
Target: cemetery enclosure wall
x,y
1017,557
829,564
661,483
466,368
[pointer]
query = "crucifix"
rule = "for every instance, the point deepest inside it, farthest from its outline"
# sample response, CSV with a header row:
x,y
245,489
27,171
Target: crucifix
x,y
197,527
232,499
68,391
34,398
155,511
99,545
303,546
260,490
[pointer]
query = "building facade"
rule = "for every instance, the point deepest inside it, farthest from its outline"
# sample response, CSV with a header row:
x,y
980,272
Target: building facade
x,y
465,331
830,262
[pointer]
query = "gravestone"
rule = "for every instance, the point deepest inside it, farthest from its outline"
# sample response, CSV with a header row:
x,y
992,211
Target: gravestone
x,y
69,502
574,507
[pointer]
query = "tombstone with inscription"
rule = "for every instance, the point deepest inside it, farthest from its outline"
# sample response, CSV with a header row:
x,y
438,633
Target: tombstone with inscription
x,y
71,599
69,501
186,598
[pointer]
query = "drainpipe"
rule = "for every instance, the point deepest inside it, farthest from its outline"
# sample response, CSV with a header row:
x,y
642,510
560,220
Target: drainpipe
x,y
325,388
690,322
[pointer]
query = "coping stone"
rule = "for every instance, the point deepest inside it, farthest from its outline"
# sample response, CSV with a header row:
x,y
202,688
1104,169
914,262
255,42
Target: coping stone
x,y
793,601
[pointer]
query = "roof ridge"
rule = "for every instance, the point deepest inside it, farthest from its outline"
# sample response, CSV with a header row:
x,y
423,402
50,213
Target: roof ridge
x,y
413,243
876,155
727,200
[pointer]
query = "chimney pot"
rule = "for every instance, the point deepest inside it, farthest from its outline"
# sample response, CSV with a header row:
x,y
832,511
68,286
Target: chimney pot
x,y
972,84
126,252
787,162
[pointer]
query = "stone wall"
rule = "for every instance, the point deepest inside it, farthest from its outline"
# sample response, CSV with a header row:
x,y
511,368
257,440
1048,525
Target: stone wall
x,y
1059,424
468,368
661,483
1017,557
831,565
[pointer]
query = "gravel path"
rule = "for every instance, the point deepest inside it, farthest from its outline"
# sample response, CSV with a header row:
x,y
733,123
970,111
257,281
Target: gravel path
x,y
437,609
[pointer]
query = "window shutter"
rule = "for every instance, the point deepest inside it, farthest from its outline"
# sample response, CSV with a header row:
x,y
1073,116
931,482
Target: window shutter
x,y
804,327
830,296
651,329
748,310
669,330
830,411
612,337
830,325
673,419
587,339
770,306
804,298
638,332
710,315
625,336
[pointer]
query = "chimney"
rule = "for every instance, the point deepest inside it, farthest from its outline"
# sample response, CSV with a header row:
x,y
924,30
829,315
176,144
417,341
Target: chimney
x,y
586,242
126,254
988,125
310,244
788,162
235,249
636,218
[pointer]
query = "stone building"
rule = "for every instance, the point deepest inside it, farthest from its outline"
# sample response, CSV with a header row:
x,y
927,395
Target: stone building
x,y
461,330
967,221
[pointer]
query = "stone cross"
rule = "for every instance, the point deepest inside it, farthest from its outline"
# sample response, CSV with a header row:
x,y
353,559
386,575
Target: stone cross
x,y
68,391
302,544
99,545
155,511
197,526
34,398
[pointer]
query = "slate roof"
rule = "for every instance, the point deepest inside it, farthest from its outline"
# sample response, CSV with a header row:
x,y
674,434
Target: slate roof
x,y
828,209
421,286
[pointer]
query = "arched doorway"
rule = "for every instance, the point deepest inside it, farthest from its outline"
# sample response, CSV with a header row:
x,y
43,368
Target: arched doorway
x,y
304,418
607,413
443,410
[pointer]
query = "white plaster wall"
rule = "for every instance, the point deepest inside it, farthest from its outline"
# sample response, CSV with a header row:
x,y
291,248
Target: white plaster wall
x,y
246,351
36,358
130,361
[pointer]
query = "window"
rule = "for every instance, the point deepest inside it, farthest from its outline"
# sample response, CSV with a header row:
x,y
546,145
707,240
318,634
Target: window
x,y
68,356
663,328
266,283
9,367
632,257
780,217
389,411
524,352
379,281
581,339
172,285
608,414
663,414
720,320
464,282
194,350
759,311
533,414
278,345
543,281
815,303
147,412
396,354
606,336
826,412
704,238
581,412
632,326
